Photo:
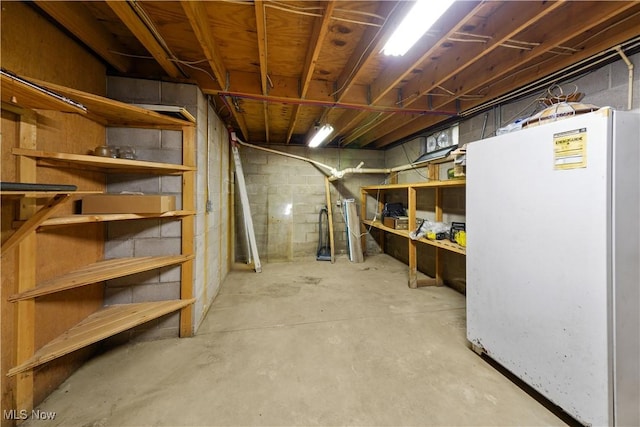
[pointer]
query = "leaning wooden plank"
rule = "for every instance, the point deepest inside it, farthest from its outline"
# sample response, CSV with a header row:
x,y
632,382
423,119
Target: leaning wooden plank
x,y
100,325
98,272
34,222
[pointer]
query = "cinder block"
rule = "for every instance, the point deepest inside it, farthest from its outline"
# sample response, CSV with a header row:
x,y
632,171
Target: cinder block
x,y
179,94
118,249
137,138
156,292
171,184
118,295
171,139
117,183
161,156
171,228
145,277
125,230
137,91
615,97
157,247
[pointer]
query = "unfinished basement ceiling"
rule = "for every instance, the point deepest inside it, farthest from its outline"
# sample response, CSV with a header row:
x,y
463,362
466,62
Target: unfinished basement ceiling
x,y
277,68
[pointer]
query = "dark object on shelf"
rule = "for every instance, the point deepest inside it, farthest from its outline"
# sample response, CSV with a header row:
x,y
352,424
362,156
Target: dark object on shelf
x,y
324,249
393,210
25,186
455,228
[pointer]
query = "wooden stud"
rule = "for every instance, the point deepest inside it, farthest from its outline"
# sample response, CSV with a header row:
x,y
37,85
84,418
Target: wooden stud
x,y
25,237
261,33
320,31
196,12
438,217
188,202
413,258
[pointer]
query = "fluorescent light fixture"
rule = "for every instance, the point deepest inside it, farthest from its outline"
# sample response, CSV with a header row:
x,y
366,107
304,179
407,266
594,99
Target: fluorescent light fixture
x,y
417,22
321,134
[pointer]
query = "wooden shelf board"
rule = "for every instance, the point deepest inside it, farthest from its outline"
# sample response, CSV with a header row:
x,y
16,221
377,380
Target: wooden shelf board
x,y
442,244
15,92
84,219
104,323
116,113
426,184
106,163
98,272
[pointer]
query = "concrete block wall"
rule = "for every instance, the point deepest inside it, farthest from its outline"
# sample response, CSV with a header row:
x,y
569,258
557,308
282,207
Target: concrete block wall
x,y
213,211
605,86
163,237
286,196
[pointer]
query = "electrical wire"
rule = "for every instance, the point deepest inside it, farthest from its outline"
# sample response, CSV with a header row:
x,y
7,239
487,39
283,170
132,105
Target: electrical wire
x,y
179,61
550,79
357,64
411,162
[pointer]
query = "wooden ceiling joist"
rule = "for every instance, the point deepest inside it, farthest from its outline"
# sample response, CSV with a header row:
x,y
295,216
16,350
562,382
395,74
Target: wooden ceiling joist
x,y
197,15
261,32
281,67
128,16
510,63
401,69
320,30
449,67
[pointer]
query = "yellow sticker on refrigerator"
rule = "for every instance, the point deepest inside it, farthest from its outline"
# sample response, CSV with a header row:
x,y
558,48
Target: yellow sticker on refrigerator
x,y
570,149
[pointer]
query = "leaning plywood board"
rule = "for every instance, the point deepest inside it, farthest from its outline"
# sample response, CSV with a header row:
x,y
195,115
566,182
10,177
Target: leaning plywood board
x,y
100,325
353,228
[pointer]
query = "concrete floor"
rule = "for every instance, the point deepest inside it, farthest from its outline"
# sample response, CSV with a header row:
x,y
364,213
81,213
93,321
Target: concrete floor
x,y
305,343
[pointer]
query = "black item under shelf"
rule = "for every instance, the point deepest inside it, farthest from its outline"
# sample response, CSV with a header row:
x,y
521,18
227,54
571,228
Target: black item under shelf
x,y
24,186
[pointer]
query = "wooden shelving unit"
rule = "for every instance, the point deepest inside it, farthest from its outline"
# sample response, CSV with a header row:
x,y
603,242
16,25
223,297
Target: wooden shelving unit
x,y
379,192
442,244
20,97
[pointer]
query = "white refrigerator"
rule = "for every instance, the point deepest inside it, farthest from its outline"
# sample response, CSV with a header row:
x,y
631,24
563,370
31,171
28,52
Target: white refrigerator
x,y
553,261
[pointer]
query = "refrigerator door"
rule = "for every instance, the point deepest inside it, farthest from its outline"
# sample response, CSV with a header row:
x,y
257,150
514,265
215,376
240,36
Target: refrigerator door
x,y
626,268
539,259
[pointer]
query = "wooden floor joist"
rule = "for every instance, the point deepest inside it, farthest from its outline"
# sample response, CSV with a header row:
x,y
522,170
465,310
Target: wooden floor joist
x,y
100,325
